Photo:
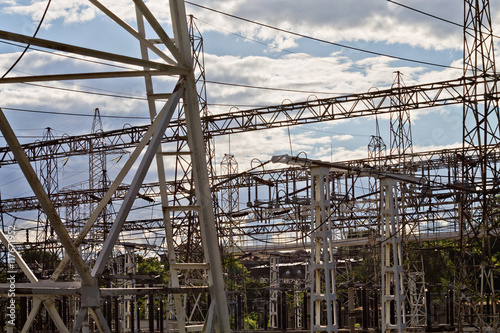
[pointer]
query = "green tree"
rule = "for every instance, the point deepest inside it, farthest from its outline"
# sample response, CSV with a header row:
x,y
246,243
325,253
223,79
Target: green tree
x,y
238,279
154,267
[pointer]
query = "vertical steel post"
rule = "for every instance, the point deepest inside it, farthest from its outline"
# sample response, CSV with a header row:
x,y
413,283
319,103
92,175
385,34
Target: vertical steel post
x,y
274,284
392,261
323,286
481,132
200,171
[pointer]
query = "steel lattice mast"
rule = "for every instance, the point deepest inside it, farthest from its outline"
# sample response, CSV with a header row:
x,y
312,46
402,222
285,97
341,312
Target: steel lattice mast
x,y
480,132
177,61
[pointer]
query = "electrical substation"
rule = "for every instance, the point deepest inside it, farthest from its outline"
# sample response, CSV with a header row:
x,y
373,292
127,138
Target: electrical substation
x,y
399,241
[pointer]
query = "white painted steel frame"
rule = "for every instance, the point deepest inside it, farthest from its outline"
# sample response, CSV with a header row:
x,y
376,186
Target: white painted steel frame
x,y
274,284
142,170
141,12
173,70
88,281
200,171
392,259
323,265
37,301
181,52
104,201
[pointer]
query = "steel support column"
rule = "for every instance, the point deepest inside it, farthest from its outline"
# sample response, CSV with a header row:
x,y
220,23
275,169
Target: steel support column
x,y
274,285
481,132
200,171
323,266
142,12
392,260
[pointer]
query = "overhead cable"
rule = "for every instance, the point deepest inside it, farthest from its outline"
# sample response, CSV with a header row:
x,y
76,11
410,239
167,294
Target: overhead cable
x,y
322,40
68,56
268,88
72,114
431,15
28,45
427,14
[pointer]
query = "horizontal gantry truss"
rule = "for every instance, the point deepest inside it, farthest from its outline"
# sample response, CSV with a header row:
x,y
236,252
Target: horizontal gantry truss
x,y
312,111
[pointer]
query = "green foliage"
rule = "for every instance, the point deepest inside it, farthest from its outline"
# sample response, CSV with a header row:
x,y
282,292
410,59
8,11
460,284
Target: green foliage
x,y
154,267
237,274
34,256
238,278
439,262
251,321
34,259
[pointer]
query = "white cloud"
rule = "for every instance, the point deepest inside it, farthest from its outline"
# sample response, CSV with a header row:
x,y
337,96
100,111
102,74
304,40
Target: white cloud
x,y
340,154
72,11
296,72
334,21
342,21
81,11
344,137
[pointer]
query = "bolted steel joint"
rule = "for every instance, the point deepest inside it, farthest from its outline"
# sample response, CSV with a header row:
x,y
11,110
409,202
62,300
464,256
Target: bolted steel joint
x,y
91,296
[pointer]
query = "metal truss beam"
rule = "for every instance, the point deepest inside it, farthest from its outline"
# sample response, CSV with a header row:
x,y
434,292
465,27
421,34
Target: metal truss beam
x,y
136,183
344,107
481,122
88,281
173,70
135,33
82,76
444,159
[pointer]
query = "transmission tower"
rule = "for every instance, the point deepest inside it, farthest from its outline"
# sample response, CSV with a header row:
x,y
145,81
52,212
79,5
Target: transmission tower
x,y
481,179
98,177
48,173
185,250
176,61
229,197
401,140
376,150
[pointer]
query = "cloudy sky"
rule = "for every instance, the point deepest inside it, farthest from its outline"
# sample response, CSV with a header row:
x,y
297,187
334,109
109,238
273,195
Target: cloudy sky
x,y
257,53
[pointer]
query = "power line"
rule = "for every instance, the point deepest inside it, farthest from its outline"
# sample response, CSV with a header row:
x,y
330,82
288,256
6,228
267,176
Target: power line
x,y
71,114
268,88
143,98
27,46
208,81
427,14
67,56
238,105
88,92
322,40
431,15
275,47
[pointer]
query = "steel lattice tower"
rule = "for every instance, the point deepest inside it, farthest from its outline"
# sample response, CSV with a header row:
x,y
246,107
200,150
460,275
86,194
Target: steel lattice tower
x,y
480,179
401,139
45,238
98,178
229,196
176,61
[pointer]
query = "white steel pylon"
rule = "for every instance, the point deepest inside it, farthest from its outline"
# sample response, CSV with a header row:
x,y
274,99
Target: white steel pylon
x,y
274,285
175,62
323,286
392,260
416,299
178,308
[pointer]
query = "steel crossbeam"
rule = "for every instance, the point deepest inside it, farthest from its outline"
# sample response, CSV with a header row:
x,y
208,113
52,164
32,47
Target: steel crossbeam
x,y
329,109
